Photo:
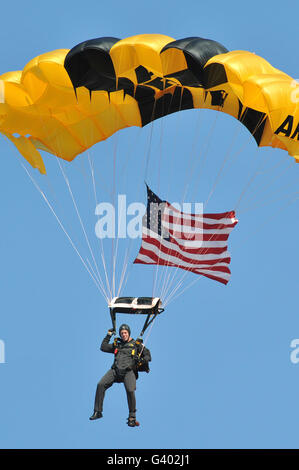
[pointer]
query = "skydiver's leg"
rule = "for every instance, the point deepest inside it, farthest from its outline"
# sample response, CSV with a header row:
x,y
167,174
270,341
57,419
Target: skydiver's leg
x,y
130,386
105,382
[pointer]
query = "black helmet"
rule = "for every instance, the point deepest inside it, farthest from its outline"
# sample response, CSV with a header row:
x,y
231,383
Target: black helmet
x,y
124,326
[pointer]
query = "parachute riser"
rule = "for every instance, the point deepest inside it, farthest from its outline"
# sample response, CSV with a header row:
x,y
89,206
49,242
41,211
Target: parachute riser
x,y
149,319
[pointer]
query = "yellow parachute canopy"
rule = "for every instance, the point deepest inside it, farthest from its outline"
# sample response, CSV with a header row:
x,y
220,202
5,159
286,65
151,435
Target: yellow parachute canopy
x,y
63,102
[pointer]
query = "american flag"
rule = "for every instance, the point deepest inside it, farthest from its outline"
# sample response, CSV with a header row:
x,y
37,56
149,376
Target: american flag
x,y
194,242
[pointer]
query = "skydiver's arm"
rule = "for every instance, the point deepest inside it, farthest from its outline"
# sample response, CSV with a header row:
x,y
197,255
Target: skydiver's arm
x,y
105,346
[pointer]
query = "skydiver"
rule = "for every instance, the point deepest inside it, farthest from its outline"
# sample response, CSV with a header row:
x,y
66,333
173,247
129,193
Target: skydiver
x,y
129,357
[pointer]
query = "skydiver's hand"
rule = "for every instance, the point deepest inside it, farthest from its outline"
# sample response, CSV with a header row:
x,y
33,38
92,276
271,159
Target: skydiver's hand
x,y
139,361
111,332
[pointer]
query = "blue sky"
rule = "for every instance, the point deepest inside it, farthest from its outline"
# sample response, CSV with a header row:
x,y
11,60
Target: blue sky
x,y
221,375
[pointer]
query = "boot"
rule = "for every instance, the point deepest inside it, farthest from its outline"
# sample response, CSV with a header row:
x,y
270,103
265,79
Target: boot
x,y
132,422
96,415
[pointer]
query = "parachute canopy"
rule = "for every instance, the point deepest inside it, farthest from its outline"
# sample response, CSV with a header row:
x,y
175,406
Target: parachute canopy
x,y
63,102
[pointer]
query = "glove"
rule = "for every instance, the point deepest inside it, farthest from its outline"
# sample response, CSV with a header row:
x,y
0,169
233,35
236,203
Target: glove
x,y
111,331
139,361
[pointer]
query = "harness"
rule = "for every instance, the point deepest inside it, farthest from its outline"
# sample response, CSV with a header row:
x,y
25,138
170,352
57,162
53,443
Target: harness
x,y
136,352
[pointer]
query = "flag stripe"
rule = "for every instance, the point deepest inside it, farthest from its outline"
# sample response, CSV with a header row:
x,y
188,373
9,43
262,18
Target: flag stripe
x,y
224,215
207,235
185,244
223,278
183,262
198,223
174,250
197,229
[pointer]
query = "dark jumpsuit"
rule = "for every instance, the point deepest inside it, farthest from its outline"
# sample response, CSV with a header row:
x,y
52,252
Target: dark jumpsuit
x,y
123,370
